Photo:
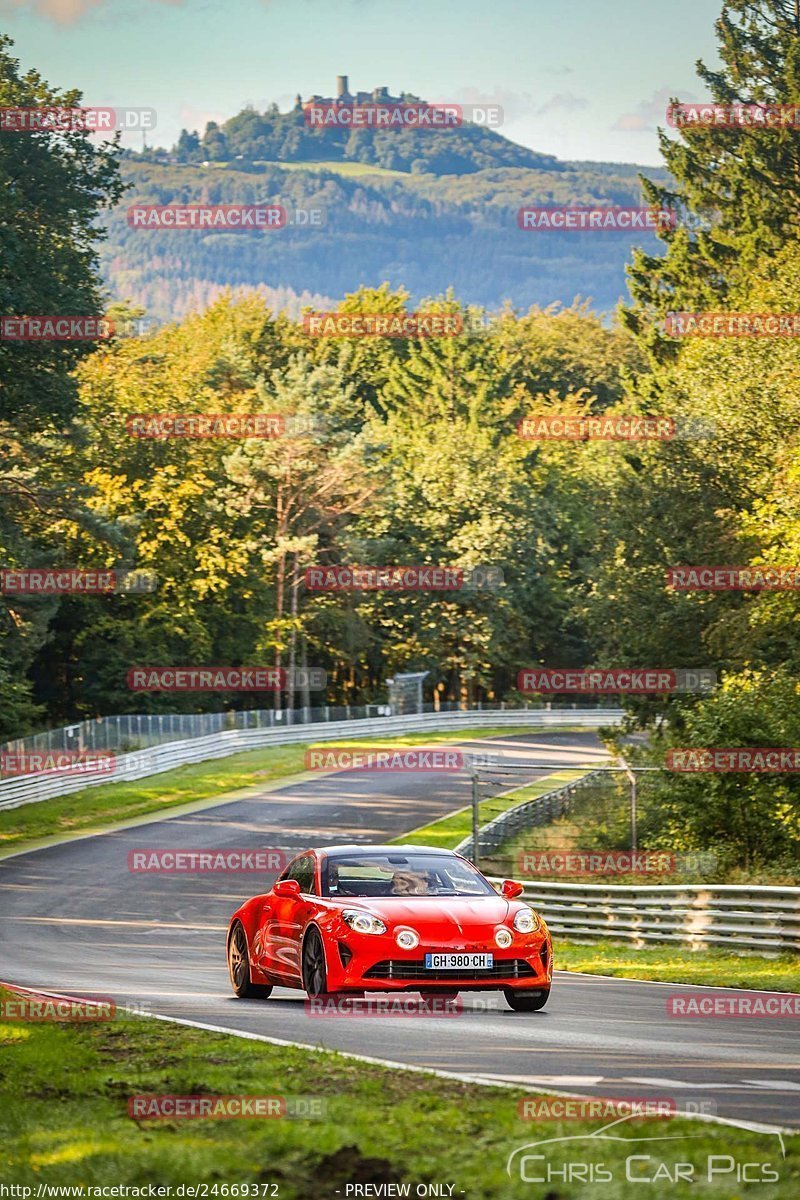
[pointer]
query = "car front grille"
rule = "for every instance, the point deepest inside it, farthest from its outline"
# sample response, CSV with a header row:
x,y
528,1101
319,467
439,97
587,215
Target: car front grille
x,y
396,968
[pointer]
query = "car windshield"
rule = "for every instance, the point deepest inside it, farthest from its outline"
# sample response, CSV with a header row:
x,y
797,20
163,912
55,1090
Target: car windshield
x,y
402,875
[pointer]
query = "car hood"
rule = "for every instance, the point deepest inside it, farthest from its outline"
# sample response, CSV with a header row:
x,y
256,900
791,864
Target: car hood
x,y
466,915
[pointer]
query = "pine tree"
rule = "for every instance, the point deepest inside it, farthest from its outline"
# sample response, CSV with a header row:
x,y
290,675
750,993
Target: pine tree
x,y
744,181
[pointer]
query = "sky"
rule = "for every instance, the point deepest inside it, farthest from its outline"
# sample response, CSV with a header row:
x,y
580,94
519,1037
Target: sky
x,y
581,79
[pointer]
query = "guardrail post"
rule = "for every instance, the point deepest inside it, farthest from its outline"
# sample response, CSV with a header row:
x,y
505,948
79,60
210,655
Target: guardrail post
x,y
476,821
632,780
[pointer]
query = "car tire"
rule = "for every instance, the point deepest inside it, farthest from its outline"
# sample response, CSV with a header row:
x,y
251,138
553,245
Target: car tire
x,y
315,971
239,967
528,1001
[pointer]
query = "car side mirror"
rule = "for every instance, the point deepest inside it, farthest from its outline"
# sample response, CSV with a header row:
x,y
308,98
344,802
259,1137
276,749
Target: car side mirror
x,y
286,887
511,889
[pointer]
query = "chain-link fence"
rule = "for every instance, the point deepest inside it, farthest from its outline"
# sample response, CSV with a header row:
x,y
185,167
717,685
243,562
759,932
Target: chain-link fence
x,y
590,821
503,812
135,731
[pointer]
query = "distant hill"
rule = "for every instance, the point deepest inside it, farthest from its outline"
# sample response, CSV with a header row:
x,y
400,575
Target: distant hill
x,y
394,212
272,136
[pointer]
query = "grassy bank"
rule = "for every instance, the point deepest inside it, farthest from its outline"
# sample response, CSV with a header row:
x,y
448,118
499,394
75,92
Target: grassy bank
x,y
678,964
64,1121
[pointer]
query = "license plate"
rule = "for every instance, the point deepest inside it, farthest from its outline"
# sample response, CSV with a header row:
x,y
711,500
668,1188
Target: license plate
x,y
458,962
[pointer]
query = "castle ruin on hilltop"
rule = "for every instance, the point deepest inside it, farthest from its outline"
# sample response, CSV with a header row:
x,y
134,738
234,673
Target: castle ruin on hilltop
x,y
344,97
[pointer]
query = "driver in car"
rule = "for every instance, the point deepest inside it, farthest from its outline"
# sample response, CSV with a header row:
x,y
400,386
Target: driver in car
x,y
410,883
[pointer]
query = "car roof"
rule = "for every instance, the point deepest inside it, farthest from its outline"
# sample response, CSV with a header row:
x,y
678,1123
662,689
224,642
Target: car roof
x,y
337,851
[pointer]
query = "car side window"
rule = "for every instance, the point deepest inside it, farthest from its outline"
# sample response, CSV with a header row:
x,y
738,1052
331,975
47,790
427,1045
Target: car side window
x,y
303,872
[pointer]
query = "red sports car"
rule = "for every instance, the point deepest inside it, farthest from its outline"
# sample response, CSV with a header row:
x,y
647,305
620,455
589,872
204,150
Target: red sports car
x,y
387,918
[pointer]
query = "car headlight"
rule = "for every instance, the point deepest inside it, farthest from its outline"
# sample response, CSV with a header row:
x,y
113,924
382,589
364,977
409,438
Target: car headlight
x,y
363,922
407,939
526,921
504,938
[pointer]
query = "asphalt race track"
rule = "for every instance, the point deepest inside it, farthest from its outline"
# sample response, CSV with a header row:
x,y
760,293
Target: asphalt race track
x,y
76,920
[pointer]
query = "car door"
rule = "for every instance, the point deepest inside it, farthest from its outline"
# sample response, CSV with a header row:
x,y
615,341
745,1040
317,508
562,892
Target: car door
x,y
283,920
295,916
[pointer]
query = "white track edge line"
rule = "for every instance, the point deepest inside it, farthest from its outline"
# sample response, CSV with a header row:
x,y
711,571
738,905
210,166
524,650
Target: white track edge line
x,y
480,1080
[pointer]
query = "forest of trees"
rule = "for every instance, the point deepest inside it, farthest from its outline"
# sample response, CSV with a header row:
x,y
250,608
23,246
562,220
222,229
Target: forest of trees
x,y
414,230
417,460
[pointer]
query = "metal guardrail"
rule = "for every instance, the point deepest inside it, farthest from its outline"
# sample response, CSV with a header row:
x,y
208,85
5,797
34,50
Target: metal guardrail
x,y
125,732
28,789
766,919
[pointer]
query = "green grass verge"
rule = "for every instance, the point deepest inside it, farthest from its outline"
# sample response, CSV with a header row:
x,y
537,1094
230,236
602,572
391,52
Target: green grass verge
x,y
64,1121
449,831
98,807
339,168
678,964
